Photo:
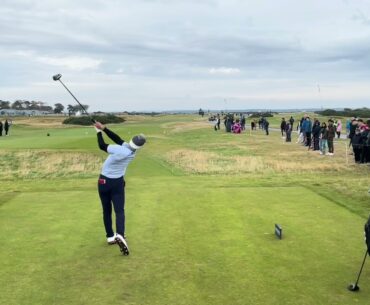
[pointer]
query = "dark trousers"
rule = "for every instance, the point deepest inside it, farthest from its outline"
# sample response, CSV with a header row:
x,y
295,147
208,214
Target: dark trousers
x,y
365,154
316,143
308,139
357,153
288,136
331,145
112,191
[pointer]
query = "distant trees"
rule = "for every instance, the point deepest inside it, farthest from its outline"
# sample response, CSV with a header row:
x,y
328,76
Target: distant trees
x,y
58,108
37,106
347,112
73,109
26,105
4,104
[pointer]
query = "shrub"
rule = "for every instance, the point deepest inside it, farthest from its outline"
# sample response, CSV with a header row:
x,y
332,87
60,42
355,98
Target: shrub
x,y
86,120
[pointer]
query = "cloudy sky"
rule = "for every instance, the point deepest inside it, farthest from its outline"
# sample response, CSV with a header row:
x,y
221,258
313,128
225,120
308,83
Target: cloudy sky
x,y
118,55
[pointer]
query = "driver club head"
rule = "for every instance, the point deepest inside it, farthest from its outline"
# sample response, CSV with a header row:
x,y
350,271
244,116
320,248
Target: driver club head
x,y
57,77
353,287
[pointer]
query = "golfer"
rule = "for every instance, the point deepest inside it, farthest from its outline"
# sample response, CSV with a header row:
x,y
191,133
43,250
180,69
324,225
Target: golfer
x,y
111,183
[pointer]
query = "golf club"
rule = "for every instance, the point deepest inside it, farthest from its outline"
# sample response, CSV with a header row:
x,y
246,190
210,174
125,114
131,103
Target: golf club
x,y
354,287
58,77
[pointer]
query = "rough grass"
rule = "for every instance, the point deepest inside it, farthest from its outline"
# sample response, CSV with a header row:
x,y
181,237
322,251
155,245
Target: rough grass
x,y
234,158
48,164
39,121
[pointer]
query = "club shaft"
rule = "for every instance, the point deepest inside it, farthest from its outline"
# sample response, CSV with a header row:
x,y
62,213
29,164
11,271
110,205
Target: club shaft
x,y
362,266
83,108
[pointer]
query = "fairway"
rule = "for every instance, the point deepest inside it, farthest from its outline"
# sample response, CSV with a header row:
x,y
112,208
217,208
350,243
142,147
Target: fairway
x,y
195,238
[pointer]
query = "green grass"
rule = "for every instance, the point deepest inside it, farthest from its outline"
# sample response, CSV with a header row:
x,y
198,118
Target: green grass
x,y
194,238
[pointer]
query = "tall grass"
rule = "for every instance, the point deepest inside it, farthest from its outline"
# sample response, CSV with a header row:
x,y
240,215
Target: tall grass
x,y
48,164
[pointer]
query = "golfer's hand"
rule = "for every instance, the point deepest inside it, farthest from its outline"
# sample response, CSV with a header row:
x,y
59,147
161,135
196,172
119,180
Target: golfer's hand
x,y
99,126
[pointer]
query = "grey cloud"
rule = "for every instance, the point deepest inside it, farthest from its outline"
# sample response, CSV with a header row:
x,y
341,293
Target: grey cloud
x,y
184,40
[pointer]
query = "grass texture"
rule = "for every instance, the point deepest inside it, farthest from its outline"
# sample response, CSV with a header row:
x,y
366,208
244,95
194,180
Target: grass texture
x,y
201,207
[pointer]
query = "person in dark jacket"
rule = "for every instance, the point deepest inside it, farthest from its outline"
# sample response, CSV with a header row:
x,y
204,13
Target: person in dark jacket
x,y
352,128
242,122
331,136
6,127
365,145
357,145
1,128
288,132
316,128
291,120
267,126
308,130
282,126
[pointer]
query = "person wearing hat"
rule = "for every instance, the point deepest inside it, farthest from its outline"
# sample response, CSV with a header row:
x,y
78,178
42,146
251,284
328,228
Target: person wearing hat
x,y
111,183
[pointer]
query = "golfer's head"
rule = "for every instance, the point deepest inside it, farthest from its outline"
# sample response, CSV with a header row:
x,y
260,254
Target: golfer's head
x,y
137,142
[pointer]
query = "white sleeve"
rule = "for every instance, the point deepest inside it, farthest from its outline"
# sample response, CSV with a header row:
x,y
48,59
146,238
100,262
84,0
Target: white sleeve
x,y
119,150
113,149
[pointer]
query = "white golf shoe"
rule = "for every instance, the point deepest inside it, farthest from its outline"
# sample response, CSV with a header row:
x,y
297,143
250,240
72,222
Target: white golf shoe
x,y
122,243
111,240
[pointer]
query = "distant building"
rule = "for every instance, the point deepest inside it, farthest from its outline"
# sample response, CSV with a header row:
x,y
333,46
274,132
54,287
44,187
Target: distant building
x,y
23,112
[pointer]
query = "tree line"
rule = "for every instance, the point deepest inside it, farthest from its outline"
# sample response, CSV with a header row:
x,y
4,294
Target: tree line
x,y
40,106
346,112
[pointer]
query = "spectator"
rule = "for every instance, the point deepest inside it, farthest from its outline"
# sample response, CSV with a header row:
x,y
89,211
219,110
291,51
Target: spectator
x,y
291,120
243,122
283,126
266,124
324,138
331,136
1,129
253,125
237,128
288,132
357,145
316,128
218,122
308,130
6,127
260,123
364,129
339,128
348,127
352,129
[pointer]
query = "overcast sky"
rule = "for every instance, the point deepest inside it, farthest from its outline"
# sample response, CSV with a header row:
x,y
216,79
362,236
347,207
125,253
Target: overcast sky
x,y
118,55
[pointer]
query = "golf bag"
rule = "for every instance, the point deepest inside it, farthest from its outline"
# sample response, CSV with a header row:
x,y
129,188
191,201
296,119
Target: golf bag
x,y
367,235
